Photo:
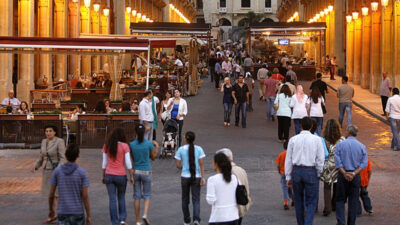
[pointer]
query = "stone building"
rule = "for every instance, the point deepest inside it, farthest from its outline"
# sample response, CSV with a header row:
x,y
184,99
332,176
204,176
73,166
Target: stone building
x,y
73,19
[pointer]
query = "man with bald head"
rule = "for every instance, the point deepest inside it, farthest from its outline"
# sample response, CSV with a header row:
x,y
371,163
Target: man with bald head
x,y
384,92
11,100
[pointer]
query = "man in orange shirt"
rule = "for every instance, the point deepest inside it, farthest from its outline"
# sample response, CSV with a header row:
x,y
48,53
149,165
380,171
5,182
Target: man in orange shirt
x,y
365,177
287,192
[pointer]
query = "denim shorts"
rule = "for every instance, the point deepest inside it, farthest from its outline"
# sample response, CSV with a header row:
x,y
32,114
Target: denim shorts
x,y
71,219
142,186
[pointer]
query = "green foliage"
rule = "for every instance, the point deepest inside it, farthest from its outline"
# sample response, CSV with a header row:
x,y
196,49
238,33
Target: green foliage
x,y
54,112
124,113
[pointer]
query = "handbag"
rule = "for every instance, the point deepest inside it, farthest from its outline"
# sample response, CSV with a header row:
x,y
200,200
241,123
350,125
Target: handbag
x,y
53,164
241,194
323,108
166,115
276,106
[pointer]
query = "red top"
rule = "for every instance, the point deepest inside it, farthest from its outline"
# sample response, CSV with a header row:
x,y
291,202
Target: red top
x,y
278,77
117,166
364,175
281,162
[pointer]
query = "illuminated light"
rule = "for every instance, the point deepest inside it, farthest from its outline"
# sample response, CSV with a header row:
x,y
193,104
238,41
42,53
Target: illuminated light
x,y
106,11
385,3
134,12
326,11
87,3
172,6
295,14
75,1
330,8
96,7
364,11
355,15
304,33
317,16
267,33
128,9
349,19
298,33
374,6
139,15
144,18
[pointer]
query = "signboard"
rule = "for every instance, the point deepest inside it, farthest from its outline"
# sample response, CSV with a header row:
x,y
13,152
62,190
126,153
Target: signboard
x,y
283,41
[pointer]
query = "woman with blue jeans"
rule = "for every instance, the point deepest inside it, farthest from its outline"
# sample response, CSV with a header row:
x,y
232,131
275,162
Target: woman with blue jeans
x,y
142,151
298,104
227,100
190,159
116,159
314,104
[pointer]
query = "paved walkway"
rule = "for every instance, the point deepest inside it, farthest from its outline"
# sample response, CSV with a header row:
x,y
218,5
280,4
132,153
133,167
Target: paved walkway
x,y
363,98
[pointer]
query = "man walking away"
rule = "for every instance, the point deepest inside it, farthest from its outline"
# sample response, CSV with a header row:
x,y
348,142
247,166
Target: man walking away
x,y
292,74
323,88
218,73
304,162
386,87
211,63
240,94
73,183
146,116
350,158
262,74
345,94
270,95
247,63
393,115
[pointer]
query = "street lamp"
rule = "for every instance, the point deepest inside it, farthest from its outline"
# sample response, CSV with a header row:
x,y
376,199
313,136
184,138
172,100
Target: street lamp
x,y
326,11
384,3
128,9
374,6
355,15
106,11
96,7
349,18
330,8
87,3
134,12
364,11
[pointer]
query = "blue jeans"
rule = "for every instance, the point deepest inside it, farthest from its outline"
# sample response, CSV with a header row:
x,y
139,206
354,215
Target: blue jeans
x,y
190,186
250,105
365,200
305,190
270,107
148,135
320,121
395,126
242,107
64,219
227,112
142,186
347,190
116,187
297,126
287,192
345,107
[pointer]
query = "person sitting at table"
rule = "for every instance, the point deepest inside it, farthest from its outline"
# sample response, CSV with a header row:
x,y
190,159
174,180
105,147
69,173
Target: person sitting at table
x,y
23,108
163,82
126,107
100,107
107,103
79,110
135,106
107,83
100,82
10,100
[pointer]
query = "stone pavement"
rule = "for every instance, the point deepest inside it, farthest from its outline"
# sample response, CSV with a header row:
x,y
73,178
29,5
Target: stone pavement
x,y
363,98
255,149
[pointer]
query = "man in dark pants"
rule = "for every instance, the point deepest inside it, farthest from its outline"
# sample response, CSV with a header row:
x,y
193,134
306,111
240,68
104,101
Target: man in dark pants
x,y
350,158
240,94
211,63
384,92
323,88
218,73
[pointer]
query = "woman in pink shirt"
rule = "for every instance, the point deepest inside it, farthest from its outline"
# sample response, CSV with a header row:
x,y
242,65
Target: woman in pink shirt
x,y
116,160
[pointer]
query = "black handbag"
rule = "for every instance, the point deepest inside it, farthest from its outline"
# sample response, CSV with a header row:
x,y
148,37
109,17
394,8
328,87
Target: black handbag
x,y
241,194
323,108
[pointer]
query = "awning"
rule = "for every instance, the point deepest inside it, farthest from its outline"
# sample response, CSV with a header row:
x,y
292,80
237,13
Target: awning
x,y
163,43
133,44
171,28
286,27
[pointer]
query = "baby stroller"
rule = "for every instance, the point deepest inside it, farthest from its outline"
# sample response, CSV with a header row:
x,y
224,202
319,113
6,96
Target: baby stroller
x,y
170,139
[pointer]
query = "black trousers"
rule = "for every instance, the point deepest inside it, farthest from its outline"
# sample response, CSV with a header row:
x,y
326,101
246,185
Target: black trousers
x,y
212,72
384,102
283,127
236,222
180,122
217,79
347,191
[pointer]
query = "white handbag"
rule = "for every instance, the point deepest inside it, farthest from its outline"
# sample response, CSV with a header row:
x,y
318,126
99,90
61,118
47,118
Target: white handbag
x,y
166,115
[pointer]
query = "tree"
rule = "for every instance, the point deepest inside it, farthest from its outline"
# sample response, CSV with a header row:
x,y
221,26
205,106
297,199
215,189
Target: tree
x,y
250,18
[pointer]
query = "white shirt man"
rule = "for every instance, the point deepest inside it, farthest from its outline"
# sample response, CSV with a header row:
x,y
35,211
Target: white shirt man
x,y
227,66
146,116
178,63
10,100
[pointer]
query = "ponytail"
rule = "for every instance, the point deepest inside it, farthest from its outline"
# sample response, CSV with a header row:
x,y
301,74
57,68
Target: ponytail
x,y
140,129
190,137
224,166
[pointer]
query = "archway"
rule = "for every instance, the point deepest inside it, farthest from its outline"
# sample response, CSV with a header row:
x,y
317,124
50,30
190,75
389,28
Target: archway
x,y
268,20
224,22
243,22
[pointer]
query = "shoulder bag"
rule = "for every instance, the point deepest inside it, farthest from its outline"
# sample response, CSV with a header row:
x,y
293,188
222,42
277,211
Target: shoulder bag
x,y
53,164
241,194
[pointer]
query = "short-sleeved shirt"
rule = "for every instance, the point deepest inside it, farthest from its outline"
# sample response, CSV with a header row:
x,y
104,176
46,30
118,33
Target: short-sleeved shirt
x,y
281,162
262,74
345,92
385,87
227,95
364,175
183,155
141,154
70,179
240,92
316,108
270,87
117,166
278,77
321,86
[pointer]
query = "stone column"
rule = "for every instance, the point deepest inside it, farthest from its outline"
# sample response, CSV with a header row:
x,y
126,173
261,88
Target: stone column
x,y
119,16
357,51
95,30
396,26
339,34
350,50
375,67
60,31
387,42
26,61
166,12
85,29
73,32
104,29
365,51
45,15
6,62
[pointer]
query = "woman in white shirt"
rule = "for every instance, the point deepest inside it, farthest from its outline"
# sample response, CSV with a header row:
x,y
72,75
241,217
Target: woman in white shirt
x,y
298,103
178,108
314,104
221,193
284,113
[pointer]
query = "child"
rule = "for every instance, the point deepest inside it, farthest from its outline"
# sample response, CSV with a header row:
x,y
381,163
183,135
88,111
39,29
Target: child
x,y
365,177
280,161
169,140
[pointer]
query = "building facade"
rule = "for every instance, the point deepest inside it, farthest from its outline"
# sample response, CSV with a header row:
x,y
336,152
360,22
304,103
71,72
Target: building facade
x,y
363,35
72,19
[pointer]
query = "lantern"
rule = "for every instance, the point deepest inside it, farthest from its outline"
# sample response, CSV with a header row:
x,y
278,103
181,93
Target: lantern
x,y
128,9
87,3
96,7
106,11
384,3
349,18
134,12
330,8
355,15
326,11
374,6
364,11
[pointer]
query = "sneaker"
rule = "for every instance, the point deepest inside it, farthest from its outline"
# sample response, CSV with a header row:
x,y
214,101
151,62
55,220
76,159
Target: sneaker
x,y
370,212
196,222
186,223
122,223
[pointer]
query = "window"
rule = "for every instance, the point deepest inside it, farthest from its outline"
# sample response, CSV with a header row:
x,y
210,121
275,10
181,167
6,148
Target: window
x,y
199,4
267,3
246,3
222,3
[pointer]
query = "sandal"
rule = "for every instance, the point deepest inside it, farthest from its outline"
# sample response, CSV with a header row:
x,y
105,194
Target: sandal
x,y
146,220
49,220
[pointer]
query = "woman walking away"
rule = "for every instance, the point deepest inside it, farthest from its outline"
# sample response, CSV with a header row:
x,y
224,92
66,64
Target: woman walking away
x,y
314,104
227,100
284,113
333,136
116,160
221,193
142,150
52,153
250,83
190,159
298,103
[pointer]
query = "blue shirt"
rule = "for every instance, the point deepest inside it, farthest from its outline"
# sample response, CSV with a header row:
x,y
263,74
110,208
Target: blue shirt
x,y
218,68
70,179
351,154
183,155
141,154
174,111
324,144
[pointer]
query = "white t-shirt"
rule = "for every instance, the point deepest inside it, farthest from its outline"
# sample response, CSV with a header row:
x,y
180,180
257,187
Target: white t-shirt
x,y
315,108
178,62
222,198
299,109
393,106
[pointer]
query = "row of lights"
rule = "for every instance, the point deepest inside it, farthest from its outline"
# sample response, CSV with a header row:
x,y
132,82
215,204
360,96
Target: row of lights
x,y
365,9
321,14
291,19
179,13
